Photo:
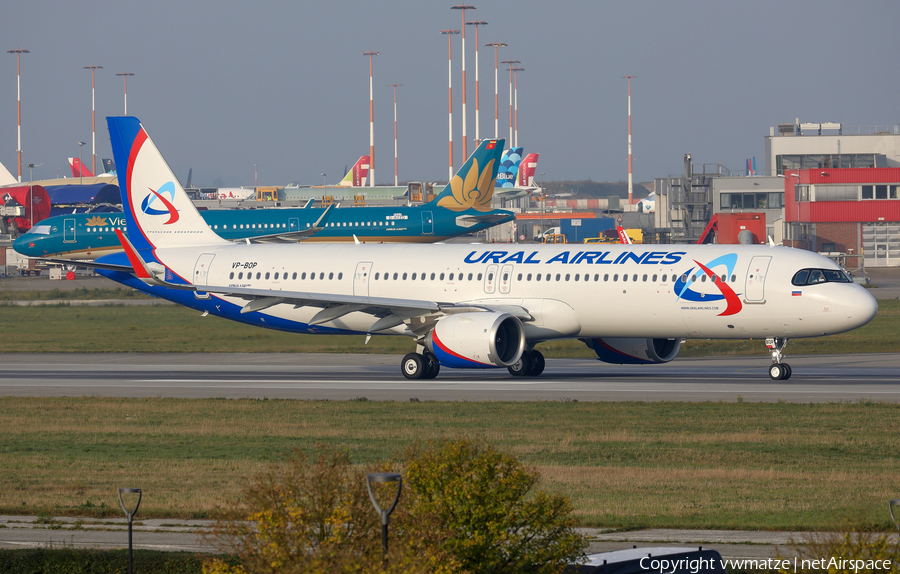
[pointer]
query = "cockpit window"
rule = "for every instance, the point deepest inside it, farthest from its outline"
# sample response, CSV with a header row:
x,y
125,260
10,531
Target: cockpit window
x,y
816,276
40,230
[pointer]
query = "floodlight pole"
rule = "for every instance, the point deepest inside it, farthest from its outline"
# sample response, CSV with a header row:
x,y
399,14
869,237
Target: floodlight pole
x,y
130,516
477,23
497,46
80,173
371,122
31,193
93,119
630,184
516,98
463,8
125,75
449,34
396,172
510,64
384,477
18,54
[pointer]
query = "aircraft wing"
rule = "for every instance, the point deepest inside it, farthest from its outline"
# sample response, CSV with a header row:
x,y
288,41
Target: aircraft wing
x,y
290,236
495,217
89,264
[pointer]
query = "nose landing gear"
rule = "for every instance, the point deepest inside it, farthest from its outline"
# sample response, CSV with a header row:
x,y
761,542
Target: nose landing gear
x,y
778,371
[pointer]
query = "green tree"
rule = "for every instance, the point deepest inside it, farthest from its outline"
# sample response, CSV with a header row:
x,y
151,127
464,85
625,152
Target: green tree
x,y
486,500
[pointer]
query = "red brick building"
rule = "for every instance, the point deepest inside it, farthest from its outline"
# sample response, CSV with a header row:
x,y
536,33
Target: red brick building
x,y
853,214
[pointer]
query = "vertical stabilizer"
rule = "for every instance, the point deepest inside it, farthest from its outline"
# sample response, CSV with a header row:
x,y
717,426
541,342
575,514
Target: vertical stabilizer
x,y
473,185
78,168
527,170
357,175
509,167
158,211
6,178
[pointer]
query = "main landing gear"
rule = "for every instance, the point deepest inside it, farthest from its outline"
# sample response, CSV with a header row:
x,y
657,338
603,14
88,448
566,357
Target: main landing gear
x,y
530,365
420,366
778,371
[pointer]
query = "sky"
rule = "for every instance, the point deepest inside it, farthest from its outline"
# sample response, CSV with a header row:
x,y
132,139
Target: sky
x,y
222,86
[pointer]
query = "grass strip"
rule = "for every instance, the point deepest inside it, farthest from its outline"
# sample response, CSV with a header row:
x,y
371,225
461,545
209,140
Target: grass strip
x,y
625,465
174,329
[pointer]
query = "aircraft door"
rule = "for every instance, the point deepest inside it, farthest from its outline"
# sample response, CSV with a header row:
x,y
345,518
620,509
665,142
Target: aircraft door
x,y
427,223
293,224
490,279
361,278
69,230
201,273
505,278
756,280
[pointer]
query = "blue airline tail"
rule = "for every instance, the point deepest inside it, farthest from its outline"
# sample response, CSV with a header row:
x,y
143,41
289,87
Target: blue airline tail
x,y
473,185
509,167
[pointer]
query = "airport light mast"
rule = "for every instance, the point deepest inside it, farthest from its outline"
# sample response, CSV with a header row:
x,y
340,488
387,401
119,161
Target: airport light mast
x,y
497,46
396,172
477,23
516,90
630,179
510,64
449,34
18,53
93,119
463,8
371,122
125,77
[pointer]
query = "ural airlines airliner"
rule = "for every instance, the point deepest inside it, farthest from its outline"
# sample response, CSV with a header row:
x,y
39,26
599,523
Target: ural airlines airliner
x,y
472,306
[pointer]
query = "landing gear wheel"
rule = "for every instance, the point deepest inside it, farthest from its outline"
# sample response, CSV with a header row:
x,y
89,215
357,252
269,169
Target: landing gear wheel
x,y
433,367
537,364
777,371
521,367
413,366
787,371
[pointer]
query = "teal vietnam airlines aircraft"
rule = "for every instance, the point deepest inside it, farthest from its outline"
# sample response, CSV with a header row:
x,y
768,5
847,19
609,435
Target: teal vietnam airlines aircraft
x,y
86,236
475,306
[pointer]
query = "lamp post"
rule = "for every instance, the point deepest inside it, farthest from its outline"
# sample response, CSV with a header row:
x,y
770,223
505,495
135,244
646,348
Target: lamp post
x,y
396,172
497,46
80,173
323,179
510,64
477,23
542,205
18,54
384,477
130,515
630,184
93,119
463,8
371,123
449,34
516,84
125,77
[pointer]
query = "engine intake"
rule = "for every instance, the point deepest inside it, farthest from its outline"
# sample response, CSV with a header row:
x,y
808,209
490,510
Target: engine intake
x,y
630,351
477,340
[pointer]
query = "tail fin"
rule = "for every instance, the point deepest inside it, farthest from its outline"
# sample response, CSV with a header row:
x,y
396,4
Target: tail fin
x,y
473,185
187,184
109,166
527,170
6,178
623,237
509,167
158,211
356,177
78,168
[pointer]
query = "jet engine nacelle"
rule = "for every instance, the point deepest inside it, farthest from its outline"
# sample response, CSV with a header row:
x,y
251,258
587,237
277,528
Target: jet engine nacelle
x,y
477,340
629,351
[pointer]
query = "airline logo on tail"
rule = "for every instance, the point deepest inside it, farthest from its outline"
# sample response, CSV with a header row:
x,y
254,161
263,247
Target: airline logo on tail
x,y
356,177
473,188
684,283
509,167
156,197
78,168
527,170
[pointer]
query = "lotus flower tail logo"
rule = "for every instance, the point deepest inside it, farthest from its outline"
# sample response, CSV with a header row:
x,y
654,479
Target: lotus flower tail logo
x,y
472,193
95,221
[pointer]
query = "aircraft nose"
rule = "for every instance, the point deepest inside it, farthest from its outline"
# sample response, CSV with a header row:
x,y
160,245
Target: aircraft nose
x,y
861,307
20,244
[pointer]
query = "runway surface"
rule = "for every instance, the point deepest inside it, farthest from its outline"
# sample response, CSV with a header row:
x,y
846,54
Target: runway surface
x,y
816,378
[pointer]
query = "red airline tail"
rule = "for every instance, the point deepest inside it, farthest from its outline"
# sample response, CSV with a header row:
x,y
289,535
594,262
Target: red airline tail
x,y
527,169
78,168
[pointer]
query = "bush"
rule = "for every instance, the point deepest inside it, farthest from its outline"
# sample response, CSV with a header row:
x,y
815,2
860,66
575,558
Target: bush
x,y
78,561
851,551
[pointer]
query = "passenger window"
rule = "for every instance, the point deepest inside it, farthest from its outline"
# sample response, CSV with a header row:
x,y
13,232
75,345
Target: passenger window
x,y
451,277
634,278
616,277
404,276
303,276
432,276
596,277
267,274
276,276
645,277
470,276
576,277
413,276
505,277
538,277
330,276
230,276
322,275
606,277
490,276
340,275
479,276
654,278
703,278
312,276
294,276
442,276
733,278
519,277
258,274
241,275
528,277
567,276
557,276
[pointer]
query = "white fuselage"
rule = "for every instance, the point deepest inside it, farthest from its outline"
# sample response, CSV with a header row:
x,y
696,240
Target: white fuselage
x,y
570,291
